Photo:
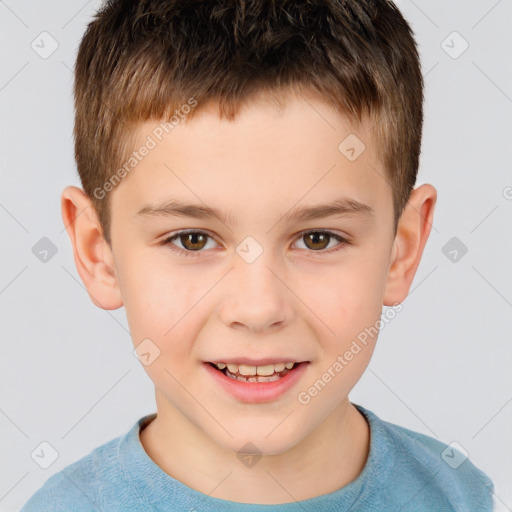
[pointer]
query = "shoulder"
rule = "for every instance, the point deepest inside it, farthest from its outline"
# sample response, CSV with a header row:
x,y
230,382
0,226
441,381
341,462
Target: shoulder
x,y
439,471
79,486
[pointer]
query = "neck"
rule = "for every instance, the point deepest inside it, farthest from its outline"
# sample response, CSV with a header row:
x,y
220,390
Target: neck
x,y
329,458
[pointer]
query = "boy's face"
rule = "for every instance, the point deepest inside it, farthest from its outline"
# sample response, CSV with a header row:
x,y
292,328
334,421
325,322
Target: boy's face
x,y
251,287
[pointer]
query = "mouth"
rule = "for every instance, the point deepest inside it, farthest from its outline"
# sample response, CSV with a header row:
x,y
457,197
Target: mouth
x,y
268,372
256,381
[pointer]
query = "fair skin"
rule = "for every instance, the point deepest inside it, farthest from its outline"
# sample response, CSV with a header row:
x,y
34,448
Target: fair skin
x,y
299,301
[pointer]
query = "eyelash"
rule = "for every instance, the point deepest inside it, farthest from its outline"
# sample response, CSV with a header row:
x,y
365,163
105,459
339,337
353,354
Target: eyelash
x,y
168,241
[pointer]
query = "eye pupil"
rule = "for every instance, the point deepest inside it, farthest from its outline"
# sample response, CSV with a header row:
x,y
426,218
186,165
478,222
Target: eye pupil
x,y
185,238
315,237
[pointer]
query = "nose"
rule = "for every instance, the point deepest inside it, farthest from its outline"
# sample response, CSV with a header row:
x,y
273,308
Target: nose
x,y
256,298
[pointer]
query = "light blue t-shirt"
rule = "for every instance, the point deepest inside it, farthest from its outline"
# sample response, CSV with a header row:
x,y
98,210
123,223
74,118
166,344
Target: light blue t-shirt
x,y
405,471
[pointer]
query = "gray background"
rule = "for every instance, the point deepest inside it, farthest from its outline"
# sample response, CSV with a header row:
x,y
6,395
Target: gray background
x,y
442,367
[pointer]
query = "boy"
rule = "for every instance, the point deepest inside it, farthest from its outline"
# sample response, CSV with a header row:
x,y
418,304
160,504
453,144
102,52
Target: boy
x,y
248,171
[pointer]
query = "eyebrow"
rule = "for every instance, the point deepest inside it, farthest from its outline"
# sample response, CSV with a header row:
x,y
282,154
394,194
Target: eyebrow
x,y
343,207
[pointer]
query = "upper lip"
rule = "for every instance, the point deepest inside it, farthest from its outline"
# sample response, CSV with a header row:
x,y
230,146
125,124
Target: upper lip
x,y
256,362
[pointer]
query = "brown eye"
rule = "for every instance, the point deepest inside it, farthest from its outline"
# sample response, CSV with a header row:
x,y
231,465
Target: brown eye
x,y
317,240
193,241
320,241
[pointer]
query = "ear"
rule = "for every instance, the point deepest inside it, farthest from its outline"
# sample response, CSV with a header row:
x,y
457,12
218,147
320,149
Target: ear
x,y
412,234
94,259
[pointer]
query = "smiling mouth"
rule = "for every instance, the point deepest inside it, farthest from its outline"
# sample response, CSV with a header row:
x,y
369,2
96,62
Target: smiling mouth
x,y
247,373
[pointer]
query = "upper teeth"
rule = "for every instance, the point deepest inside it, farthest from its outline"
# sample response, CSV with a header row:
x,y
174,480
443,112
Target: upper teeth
x,y
244,369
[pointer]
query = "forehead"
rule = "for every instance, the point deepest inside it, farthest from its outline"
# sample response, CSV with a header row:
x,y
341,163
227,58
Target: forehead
x,y
270,156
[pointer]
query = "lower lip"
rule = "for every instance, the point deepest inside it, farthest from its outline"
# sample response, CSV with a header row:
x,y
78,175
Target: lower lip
x,y
257,392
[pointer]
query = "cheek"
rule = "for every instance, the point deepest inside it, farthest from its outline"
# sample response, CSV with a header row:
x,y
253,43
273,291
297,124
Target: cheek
x,y
350,305
158,298
351,299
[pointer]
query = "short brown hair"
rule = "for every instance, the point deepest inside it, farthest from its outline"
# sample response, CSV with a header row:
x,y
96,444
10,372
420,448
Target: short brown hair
x,y
140,60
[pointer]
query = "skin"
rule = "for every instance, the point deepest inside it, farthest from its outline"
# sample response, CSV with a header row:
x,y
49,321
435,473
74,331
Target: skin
x,y
295,300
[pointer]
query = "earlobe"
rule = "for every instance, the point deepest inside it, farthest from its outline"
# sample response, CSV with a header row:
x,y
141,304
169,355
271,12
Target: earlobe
x,y
412,234
93,256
